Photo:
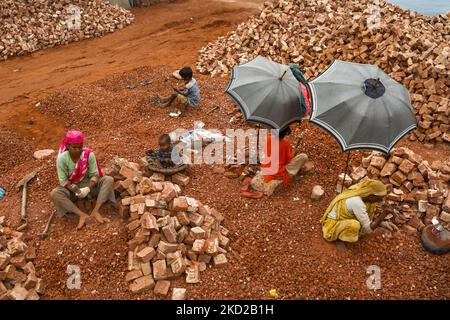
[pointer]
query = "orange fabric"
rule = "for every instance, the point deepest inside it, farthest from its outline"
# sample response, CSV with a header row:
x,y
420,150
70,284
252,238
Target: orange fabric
x,y
285,155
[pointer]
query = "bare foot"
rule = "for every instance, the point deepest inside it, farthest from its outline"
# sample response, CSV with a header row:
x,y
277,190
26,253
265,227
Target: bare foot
x,y
97,216
82,221
113,206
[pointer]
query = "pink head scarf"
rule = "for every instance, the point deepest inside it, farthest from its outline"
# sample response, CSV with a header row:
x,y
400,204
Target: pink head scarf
x,y
72,137
81,168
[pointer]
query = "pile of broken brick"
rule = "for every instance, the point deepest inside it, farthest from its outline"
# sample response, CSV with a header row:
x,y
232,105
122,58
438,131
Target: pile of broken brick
x,y
18,280
419,189
28,26
410,47
171,234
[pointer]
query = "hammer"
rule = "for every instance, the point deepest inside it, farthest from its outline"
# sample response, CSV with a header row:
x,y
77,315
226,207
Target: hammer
x,y
23,211
44,234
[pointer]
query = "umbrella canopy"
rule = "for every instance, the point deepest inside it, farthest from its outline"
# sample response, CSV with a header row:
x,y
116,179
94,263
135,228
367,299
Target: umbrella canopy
x,y
361,106
266,92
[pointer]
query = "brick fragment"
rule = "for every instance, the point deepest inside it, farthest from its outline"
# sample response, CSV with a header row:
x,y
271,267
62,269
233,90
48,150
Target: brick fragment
x,y
179,294
159,270
180,204
146,254
142,284
192,275
180,179
220,260
162,288
317,193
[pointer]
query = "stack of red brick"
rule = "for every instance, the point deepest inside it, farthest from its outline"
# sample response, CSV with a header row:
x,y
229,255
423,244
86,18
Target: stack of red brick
x,y
432,115
18,280
171,235
420,189
28,26
410,47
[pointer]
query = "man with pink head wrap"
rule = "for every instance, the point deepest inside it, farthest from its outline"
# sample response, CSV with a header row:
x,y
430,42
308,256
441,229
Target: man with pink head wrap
x,y
80,176
71,137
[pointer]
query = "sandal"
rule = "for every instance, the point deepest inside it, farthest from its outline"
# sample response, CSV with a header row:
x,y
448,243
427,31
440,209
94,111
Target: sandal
x,y
252,194
246,184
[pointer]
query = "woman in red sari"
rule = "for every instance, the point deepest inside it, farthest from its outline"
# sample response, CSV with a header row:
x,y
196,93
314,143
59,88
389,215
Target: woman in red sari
x,y
279,167
80,175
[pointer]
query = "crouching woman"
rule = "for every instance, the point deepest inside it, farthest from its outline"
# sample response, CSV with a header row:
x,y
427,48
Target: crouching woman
x,y
351,214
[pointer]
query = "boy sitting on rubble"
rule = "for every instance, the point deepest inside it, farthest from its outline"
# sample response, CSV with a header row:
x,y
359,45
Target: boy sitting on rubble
x,y
189,95
164,154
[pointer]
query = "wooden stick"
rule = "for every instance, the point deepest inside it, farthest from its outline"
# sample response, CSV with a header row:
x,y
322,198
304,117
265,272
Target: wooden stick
x,y
345,173
213,109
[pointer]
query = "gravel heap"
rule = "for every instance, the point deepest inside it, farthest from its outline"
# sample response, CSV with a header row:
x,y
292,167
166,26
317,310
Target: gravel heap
x,y
28,26
412,48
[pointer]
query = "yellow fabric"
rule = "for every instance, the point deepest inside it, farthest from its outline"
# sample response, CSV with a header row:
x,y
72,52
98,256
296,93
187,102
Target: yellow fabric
x,y
347,230
182,99
344,227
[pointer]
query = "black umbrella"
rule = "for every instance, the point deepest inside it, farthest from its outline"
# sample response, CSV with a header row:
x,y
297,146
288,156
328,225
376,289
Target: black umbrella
x,y
266,92
361,107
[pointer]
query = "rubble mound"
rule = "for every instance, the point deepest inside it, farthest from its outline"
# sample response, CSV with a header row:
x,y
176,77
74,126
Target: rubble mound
x,y
410,47
171,234
18,280
419,189
28,26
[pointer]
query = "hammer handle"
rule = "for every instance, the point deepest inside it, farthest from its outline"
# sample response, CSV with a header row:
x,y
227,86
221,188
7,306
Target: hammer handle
x,y
24,201
47,226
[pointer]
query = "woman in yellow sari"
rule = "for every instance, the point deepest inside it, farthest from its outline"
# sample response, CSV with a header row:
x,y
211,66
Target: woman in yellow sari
x,y
350,215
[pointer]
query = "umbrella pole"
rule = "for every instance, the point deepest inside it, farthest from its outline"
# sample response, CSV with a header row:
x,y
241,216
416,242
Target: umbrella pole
x,y
257,145
345,172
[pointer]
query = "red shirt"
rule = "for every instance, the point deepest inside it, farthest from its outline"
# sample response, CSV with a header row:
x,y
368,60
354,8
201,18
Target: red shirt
x,y
285,155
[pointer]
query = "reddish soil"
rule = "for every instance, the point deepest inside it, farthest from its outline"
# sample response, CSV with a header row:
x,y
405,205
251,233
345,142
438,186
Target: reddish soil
x,y
165,34
276,242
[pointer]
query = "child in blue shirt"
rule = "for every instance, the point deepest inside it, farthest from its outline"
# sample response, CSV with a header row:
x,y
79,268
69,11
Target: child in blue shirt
x,y
189,95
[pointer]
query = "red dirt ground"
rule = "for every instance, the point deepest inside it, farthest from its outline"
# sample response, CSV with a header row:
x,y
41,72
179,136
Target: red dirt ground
x,y
276,242
165,34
